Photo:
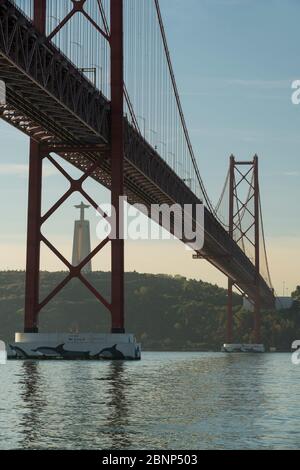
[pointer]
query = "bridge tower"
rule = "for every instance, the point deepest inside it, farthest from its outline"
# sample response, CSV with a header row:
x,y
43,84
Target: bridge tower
x,y
40,151
245,174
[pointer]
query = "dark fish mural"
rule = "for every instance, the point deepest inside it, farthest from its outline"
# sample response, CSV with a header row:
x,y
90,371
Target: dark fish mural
x,y
109,353
63,353
19,352
48,352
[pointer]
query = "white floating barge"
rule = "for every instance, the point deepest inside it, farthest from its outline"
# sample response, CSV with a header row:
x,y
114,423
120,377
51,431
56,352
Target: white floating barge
x,y
84,346
243,348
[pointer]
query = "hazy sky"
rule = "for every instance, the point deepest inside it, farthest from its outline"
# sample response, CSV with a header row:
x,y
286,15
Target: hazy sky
x,y
234,61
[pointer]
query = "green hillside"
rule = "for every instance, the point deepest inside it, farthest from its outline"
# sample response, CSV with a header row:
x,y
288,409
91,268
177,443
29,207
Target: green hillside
x,y
165,313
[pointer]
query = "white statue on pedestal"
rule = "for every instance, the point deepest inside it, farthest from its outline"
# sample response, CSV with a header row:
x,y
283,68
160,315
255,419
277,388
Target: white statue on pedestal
x,y
82,240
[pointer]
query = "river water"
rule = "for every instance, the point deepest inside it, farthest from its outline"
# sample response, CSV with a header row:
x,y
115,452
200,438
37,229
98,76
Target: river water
x,y
166,401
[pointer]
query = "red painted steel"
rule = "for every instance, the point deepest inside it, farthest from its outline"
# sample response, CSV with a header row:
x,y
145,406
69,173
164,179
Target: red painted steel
x,y
78,7
234,200
117,162
257,253
39,15
34,209
229,335
35,221
33,239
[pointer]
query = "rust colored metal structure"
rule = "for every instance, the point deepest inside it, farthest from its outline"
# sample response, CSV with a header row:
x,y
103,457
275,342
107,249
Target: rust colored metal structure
x,y
245,173
33,239
34,210
117,163
40,151
229,329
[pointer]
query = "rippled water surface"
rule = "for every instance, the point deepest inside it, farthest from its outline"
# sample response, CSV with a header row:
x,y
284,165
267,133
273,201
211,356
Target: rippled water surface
x,y
166,401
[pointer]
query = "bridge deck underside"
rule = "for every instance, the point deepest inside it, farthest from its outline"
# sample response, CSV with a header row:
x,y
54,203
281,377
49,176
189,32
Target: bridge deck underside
x,y
52,102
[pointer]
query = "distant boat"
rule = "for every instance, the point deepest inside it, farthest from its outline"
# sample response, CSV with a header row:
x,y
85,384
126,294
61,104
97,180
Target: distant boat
x,y
243,348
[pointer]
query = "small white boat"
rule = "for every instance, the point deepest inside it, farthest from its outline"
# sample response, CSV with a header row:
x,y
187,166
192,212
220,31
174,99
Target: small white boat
x,y
243,348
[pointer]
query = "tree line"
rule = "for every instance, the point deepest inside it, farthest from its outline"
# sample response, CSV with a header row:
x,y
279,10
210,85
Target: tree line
x,y
164,312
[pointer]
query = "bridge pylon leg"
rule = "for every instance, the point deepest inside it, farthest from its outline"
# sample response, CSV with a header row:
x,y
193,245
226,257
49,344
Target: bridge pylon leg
x,y
257,325
257,322
33,239
229,332
229,329
34,209
117,165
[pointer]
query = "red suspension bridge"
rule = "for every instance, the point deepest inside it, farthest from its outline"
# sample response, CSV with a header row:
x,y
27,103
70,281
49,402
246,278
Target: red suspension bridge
x,y
91,82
